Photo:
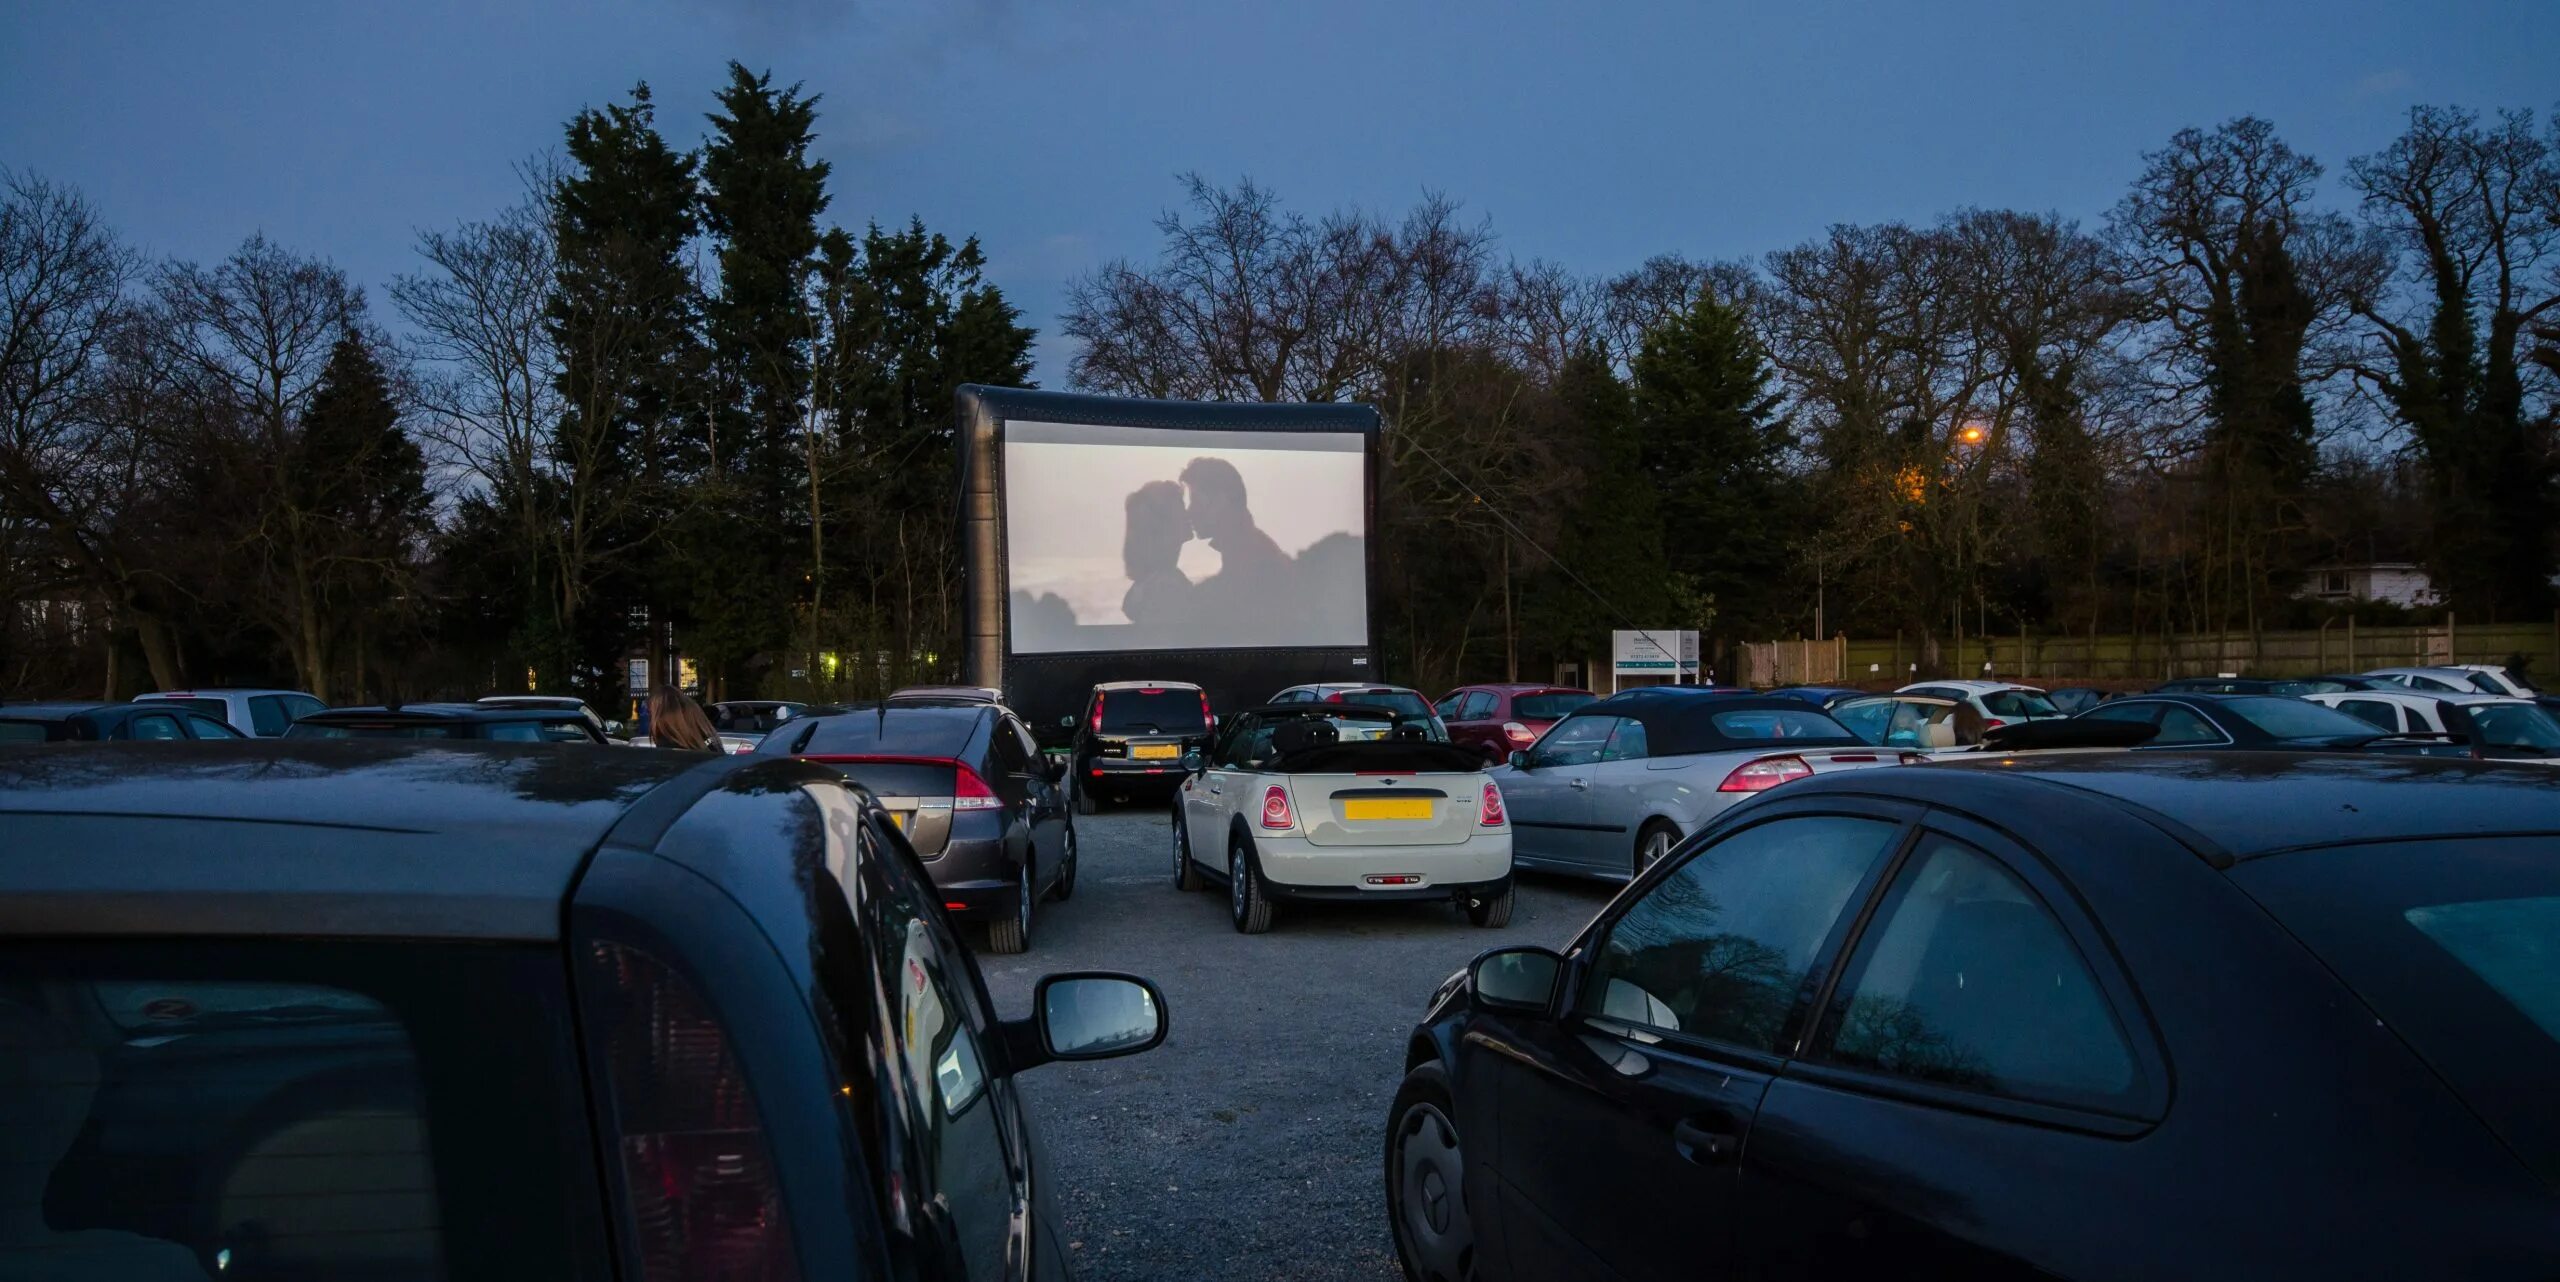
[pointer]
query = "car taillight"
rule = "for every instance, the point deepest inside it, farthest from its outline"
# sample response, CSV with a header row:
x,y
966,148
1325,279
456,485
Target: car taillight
x,y
1097,713
1489,814
1764,774
700,1197
1207,718
969,792
1518,733
1992,723
1335,697
1275,808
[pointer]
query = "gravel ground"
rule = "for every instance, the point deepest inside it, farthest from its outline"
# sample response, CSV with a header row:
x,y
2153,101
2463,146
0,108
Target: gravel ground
x,y
1249,1144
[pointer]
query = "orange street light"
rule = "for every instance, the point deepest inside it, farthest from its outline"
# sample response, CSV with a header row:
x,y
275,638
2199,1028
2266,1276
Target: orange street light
x,y
1971,434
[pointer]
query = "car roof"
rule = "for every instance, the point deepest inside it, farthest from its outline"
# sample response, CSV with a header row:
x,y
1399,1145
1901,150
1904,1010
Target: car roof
x,y
312,836
48,711
2433,670
2229,805
199,692
1146,685
446,712
1976,686
1523,687
533,700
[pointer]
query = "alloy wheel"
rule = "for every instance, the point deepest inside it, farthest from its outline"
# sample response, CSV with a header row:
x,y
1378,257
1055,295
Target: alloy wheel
x,y
1431,1207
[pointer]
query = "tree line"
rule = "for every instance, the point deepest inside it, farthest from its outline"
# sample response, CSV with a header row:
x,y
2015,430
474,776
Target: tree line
x,y
665,401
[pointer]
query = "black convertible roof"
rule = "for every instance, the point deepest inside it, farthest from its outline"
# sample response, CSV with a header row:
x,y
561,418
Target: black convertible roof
x,y
336,837
1678,725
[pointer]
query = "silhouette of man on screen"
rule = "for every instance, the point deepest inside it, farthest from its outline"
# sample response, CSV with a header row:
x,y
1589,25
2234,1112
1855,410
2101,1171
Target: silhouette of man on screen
x,y
1255,578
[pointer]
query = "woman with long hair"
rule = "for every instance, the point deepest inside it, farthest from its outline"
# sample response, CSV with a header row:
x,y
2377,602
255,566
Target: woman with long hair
x,y
676,721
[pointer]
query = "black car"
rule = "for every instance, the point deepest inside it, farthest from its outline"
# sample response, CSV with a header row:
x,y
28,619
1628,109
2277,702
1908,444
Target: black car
x,y
107,722
986,812
399,1010
498,722
1132,737
2128,1016
2258,721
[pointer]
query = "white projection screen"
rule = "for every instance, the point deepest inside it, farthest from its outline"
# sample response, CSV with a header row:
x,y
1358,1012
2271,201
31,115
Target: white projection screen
x,y
1124,538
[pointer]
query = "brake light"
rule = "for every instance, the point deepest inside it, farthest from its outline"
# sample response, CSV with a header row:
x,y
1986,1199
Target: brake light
x,y
1276,814
1992,723
969,792
1207,718
1097,711
1518,733
699,1195
1764,774
1335,697
1489,814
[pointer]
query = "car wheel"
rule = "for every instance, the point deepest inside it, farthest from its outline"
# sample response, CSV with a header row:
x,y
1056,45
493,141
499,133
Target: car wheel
x,y
1653,842
1186,874
1426,1189
1085,801
1013,934
1493,911
1064,888
1246,901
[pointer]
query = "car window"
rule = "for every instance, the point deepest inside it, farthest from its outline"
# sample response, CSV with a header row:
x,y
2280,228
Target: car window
x,y
1755,724
214,708
2184,726
2440,687
303,1111
2516,725
1480,705
2139,713
208,728
1626,743
1722,947
566,731
1575,741
2019,703
1868,719
154,726
1552,705
22,732
1154,710
2294,718
2375,711
1249,746
298,706
1448,706
1011,756
513,731
267,715
1966,980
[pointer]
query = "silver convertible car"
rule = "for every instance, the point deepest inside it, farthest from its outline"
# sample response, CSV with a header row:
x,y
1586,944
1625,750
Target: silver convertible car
x,y
1612,788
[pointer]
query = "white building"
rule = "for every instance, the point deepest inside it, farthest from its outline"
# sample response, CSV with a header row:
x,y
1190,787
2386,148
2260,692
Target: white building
x,y
2401,583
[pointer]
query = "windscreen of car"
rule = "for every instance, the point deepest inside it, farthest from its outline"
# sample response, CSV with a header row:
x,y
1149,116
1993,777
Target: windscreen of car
x,y
2293,719
1403,703
1164,710
2451,943
2018,703
1553,705
1750,724
375,730
2517,725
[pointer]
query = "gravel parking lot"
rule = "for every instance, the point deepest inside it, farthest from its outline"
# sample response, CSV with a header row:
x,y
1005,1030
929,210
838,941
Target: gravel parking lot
x,y
1248,1145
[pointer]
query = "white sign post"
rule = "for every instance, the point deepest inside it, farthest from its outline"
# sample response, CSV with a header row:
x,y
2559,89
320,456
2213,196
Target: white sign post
x,y
1667,653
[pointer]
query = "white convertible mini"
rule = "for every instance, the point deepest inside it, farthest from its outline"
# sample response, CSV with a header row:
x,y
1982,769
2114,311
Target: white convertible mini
x,y
1299,802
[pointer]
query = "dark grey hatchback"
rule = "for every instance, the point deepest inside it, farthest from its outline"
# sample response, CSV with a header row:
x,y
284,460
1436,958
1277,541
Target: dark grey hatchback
x,y
327,1010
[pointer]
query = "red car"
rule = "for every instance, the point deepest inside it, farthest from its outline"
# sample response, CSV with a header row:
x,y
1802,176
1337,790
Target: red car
x,y
1497,720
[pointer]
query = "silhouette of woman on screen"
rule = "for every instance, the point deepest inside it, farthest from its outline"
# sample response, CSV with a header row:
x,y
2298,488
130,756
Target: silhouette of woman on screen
x,y
1151,550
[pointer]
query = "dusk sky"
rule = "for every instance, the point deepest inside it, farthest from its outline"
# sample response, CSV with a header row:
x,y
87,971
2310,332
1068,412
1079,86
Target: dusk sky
x,y
1594,135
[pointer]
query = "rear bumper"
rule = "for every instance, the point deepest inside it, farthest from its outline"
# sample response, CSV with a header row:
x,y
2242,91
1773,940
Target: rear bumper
x,y
976,878
1386,894
1297,868
1124,770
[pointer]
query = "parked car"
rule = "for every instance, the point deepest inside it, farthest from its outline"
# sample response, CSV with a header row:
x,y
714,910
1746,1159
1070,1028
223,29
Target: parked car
x,y
1612,788
1999,702
482,721
2495,727
2334,682
1819,696
95,722
2507,680
2257,722
2236,685
753,718
954,694
330,1010
260,714
2073,700
1408,705
555,702
1915,721
2448,679
1497,720
985,811
1287,807
1953,1022
1132,737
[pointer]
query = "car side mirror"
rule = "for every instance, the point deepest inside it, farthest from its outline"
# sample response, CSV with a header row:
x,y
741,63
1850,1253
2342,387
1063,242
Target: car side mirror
x,y
617,730
1193,762
1080,1015
1522,979
1068,721
1519,759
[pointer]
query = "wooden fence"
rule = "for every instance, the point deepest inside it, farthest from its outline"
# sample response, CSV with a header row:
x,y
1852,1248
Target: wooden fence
x,y
2340,647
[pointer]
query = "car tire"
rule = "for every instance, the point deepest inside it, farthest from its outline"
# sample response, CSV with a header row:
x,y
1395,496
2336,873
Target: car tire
x,y
1492,911
1247,902
1086,803
1653,841
1013,934
1426,1189
1186,874
1064,888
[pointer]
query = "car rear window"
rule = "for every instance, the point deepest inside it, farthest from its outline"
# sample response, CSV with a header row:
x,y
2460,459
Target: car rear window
x,y
1157,710
1754,724
287,1112
908,731
2517,725
2019,703
2455,944
1554,705
2294,719
1403,703
213,708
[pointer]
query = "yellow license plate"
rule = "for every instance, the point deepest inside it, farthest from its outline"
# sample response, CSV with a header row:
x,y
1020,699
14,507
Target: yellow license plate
x,y
1155,752
898,819
1387,808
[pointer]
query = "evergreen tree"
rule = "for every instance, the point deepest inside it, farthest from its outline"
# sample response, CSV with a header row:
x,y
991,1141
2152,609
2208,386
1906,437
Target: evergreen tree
x,y
1712,445
360,477
1611,537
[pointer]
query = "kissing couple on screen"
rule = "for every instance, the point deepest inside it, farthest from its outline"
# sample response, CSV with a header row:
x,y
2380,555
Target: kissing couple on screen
x,y
1259,594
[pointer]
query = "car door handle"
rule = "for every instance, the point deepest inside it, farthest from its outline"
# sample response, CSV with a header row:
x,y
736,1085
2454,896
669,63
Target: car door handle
x,y
1706,1145
1577,784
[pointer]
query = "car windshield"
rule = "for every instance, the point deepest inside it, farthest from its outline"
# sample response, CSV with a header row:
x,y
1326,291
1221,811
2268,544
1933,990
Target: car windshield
x,y
2449,941
2517,725
1154,710
2293,719
2019,703
1553,705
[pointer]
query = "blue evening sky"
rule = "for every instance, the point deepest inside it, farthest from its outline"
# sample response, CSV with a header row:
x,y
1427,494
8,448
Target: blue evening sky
x,y
1593,134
